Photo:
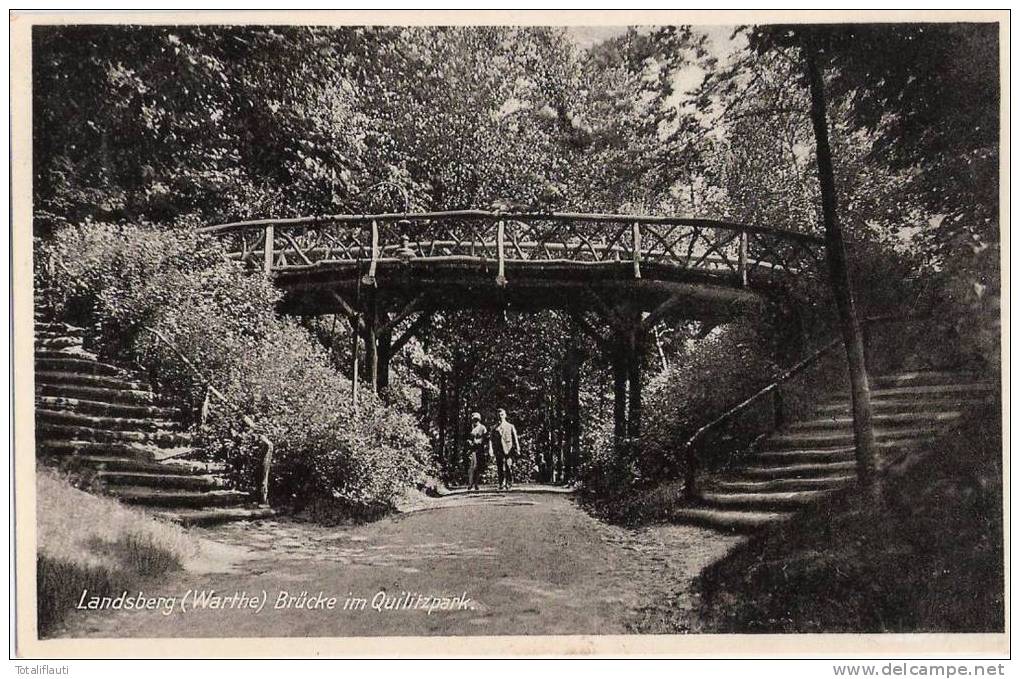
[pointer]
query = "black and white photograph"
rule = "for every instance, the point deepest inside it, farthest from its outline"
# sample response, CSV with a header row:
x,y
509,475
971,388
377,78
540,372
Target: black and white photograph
x,y
582,326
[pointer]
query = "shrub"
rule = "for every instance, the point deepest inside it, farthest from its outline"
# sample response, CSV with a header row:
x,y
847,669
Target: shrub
x,y
119,280
729,364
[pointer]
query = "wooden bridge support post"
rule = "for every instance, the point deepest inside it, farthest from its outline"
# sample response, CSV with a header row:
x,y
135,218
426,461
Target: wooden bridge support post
x,y
619,360
383,355
354,364
372,342
627,366
268,256
573,422
634,346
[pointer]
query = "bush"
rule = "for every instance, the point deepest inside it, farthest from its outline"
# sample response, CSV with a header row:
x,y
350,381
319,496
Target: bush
x,y
712,374
118,280
730,364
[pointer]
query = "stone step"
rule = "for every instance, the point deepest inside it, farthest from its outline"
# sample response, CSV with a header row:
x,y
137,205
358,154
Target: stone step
x,y
73,352
57,342
54,361
831,439
886,420
113,463
823,454
125,449
164,479
927,378
51,334
770,501
781,485
925,392
163,439
728,520
99,394
62,378
67,417
170,498
59,328
799,471
955,401
781,457
89,407
215,515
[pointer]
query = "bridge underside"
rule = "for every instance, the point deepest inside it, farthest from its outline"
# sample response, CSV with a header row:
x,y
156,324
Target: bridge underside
x,y
526,286
608,301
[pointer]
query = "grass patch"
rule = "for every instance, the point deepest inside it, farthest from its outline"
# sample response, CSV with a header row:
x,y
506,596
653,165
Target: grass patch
x,y
637,505
95,543
929,558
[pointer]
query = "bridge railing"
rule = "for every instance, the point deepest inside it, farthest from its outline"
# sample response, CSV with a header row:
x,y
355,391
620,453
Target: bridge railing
x,y
715,247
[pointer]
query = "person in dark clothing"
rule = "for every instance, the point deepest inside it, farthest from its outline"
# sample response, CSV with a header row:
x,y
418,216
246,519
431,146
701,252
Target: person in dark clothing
x,y
507,448
479,445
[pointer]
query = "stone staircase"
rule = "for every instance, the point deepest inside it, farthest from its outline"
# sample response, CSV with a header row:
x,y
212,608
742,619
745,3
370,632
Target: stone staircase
x,y
809,459
105,424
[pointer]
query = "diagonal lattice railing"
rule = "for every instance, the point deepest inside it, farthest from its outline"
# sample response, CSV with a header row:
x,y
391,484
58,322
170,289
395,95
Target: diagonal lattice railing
x,y
720,248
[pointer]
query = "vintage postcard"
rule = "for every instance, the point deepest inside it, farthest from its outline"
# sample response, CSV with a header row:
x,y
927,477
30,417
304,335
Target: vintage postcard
x,y
510,334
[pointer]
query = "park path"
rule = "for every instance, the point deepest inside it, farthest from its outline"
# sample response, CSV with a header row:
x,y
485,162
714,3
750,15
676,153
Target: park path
x,y
529,560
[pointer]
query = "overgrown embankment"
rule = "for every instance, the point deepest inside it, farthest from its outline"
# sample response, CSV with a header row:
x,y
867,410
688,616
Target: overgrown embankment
x,y
929,558
94,544
119,281
639,485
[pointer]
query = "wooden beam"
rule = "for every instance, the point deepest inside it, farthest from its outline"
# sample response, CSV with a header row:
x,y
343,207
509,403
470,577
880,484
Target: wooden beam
x,y
589,329
345,306
372,344
409,308
610,315
659,312
353,315
412,330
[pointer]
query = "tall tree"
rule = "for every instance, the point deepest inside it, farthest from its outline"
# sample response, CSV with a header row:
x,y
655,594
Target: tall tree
x,y
839,275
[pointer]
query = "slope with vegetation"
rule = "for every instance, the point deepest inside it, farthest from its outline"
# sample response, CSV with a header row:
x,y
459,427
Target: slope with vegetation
x,y
119,282
106,549
928,557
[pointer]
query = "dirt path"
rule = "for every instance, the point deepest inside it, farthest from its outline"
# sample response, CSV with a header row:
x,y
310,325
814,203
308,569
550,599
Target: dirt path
x,y
529,562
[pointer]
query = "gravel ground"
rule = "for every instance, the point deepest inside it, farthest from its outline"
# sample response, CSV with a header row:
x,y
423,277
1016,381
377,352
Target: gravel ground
x,y
527,561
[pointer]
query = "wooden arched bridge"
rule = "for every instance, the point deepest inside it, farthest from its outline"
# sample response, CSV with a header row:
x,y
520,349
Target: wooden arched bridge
x,y
630,271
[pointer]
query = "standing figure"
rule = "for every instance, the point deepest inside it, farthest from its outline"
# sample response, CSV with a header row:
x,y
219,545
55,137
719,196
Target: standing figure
x,y
479,445
507,448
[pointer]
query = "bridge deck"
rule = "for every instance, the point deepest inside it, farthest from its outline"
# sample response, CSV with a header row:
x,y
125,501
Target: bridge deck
x,y
471,259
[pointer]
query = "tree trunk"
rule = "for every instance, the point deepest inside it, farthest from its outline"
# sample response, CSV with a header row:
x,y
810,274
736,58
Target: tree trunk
x,y
442,416
839,274
455,442
662,352
562,437
372,344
